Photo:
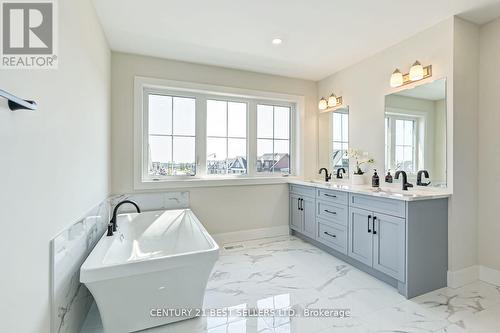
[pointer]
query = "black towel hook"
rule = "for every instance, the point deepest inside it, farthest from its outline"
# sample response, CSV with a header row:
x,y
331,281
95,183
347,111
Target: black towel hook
x,y
16,103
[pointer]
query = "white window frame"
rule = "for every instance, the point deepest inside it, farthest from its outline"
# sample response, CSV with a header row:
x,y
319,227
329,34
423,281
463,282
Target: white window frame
x,y
332,141
202,92
391,141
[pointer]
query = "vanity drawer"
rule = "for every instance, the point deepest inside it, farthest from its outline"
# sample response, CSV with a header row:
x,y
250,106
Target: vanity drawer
x,y
332,212
302,190
332,196
333,235
379,205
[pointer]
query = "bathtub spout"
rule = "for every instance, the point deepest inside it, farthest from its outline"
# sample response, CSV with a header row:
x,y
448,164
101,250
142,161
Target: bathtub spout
x,y
115,211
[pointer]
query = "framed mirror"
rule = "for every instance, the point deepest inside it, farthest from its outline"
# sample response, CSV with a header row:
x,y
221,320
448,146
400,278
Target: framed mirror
x,y
415,132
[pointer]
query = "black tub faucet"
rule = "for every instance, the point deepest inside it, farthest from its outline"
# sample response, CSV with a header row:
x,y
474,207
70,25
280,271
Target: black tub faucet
x,y
404,181
327,176
339,174
115,211
419,178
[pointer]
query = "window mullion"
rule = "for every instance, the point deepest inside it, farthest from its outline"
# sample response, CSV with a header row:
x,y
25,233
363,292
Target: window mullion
x,y
201,136
252,138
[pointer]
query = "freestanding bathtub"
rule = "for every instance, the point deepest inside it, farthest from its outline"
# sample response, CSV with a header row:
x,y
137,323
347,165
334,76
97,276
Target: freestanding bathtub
x,y
155,263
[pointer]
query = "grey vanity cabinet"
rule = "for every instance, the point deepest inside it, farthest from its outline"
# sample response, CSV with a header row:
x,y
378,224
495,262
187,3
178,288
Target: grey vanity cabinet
x,y
401,242
389,245
302,212
378,240
296,220
360,236
309,216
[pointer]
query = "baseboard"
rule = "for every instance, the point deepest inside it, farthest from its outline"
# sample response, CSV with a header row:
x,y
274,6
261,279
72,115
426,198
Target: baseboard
x,y
489,275
243,235
463,276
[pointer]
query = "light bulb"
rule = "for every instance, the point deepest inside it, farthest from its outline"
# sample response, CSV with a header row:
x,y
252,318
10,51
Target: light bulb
x,y
332,101
416,71
323,104
396,79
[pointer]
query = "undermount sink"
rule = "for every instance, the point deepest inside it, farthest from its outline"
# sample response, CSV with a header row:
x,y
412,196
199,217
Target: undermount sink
x,y
396,193
335,182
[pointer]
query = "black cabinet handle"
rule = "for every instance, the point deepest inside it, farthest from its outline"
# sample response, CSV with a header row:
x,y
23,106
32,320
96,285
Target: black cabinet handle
x,y
329,234
369,218
374,219
301,204
330,212
330,195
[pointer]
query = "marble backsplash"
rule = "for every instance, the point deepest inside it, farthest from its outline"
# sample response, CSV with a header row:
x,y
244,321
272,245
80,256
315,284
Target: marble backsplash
x,y
71,300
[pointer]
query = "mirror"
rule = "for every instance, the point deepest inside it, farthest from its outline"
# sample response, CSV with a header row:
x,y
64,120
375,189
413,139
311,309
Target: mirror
x,y
415,132
334,139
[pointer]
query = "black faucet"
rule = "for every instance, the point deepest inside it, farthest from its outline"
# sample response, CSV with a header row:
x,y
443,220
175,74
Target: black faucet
x,y
339,175
327,176
419,178
115,211
404,181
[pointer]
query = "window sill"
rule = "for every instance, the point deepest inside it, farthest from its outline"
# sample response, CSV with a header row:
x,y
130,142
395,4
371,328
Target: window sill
x,y
210,182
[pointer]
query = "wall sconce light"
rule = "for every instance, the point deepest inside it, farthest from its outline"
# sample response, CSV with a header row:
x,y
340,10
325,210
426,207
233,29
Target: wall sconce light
x,y
323,104
396,79
333,102
417,72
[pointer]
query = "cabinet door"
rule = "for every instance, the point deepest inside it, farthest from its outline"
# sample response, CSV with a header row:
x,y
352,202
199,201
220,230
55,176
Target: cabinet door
x,y
295,213
360,235
389,237
309,215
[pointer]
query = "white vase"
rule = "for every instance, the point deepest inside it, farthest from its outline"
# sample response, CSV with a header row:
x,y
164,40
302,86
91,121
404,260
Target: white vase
x,y
357,179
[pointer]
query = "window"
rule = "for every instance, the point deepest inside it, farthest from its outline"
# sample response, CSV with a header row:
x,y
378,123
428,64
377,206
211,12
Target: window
x,y
340,144
226,137
202,132
273,139
401,143
171,139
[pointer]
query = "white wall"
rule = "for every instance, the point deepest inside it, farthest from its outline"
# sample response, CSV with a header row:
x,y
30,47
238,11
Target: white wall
x,y
489,138
245,207
364,86
463,223
54,161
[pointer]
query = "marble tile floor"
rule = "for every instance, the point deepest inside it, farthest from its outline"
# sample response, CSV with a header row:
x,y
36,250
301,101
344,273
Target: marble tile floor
x,y
288,273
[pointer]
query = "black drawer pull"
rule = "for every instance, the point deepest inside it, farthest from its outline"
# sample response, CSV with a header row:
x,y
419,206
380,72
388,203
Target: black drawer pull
x,y
330,195
330,212
374,219
369,218
329,234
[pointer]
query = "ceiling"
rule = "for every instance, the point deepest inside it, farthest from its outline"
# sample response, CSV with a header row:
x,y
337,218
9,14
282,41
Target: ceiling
x,y
319,37
433,91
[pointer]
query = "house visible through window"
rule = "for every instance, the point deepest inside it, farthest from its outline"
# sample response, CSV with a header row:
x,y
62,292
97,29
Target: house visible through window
x,y
340,135
273,139
171,136
401,143
226,137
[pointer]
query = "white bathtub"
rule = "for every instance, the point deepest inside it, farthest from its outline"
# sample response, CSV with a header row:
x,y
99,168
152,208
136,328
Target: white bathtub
x,y
155,260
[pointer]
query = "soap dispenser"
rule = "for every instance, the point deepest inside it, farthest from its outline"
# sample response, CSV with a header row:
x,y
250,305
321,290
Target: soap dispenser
x,y
388,178
375,179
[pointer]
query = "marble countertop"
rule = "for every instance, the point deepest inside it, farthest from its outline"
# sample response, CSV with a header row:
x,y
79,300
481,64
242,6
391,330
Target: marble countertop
x,y
390,191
